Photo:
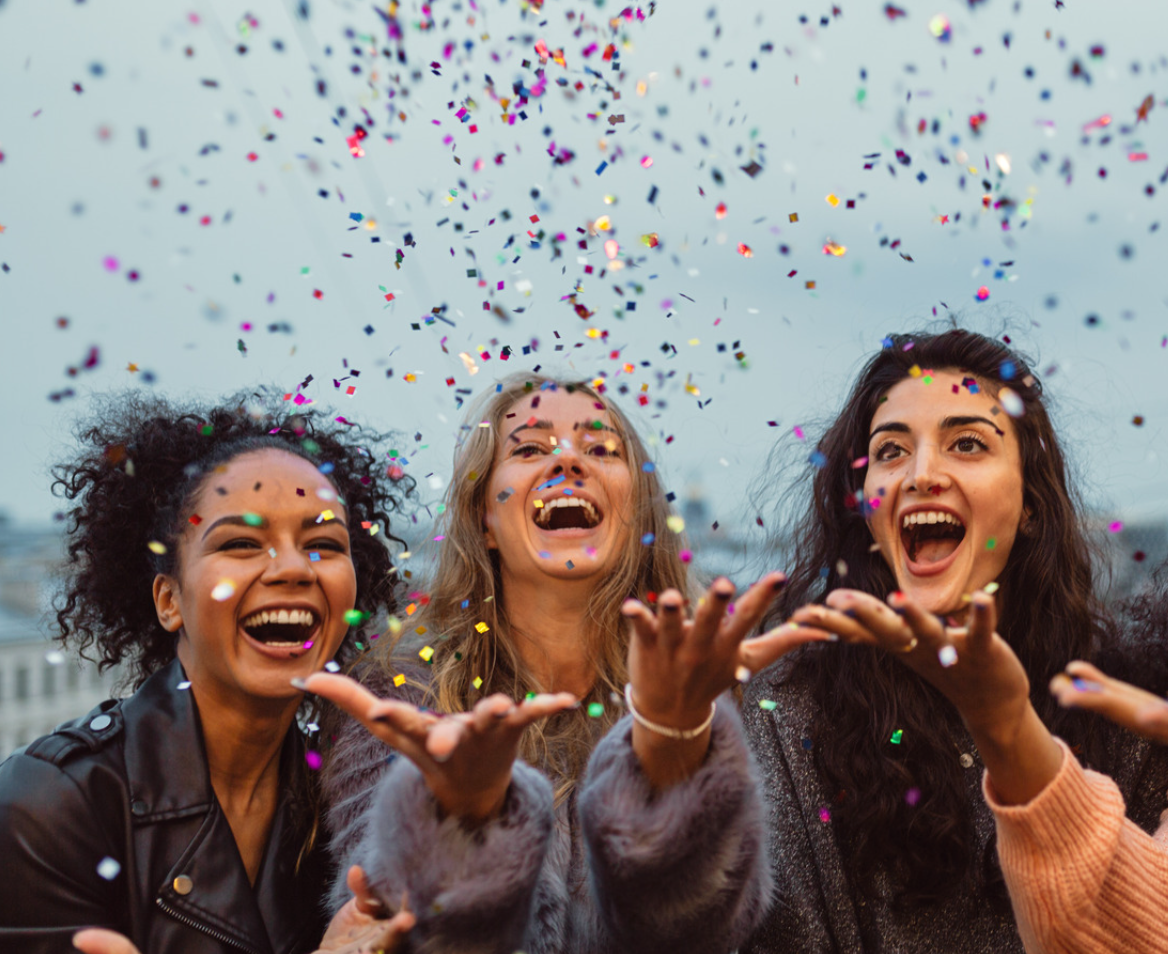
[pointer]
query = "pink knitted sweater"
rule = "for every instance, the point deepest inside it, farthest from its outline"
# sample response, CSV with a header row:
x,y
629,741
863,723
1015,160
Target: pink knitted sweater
x,y
1082,877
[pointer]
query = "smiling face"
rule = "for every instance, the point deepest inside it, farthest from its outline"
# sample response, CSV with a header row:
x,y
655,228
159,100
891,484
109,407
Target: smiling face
x,y
263,580
559,500
945,480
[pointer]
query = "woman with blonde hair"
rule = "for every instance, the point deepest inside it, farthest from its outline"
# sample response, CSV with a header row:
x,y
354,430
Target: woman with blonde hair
x,y
547,666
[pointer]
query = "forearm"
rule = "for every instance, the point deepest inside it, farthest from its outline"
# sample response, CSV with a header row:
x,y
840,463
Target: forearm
x,y
1020,755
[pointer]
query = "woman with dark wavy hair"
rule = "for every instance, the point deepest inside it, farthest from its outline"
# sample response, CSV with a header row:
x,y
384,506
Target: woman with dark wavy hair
x,y
941,476
216,554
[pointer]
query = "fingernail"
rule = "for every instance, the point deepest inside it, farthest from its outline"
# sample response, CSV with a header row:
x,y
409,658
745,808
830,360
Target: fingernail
x,y
298,683
1086,685
779,584
380,718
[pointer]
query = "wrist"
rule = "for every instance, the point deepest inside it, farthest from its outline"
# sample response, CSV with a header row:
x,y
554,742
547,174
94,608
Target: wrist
x,y
473,808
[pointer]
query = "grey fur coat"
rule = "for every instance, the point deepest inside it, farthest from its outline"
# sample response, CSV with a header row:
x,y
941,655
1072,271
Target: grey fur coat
x,y
619,868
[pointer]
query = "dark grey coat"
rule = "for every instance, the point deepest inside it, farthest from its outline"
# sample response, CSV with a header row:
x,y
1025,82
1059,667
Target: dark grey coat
x,y
619,868
818,907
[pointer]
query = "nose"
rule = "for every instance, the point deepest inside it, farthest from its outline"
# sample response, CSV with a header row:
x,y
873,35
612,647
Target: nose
x,y
288,565
927,473
570,461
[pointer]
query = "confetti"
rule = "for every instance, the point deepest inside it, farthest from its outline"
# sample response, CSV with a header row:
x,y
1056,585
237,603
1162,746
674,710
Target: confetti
x,y
223,591
108,868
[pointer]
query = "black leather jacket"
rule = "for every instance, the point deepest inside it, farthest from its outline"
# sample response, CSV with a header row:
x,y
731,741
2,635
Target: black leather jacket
x,y
111,821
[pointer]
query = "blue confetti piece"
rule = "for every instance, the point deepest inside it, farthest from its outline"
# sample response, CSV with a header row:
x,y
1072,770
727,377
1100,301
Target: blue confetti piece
x,y
1007,370
314,557
648,467
817,458
548,484
648,538
600,168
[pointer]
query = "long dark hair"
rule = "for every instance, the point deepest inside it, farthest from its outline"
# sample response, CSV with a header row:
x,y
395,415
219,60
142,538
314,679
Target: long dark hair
x,y
926,841
142,461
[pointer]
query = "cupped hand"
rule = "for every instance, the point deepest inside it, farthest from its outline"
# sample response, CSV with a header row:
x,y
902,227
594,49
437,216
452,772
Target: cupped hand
x,y
465,758
679,666
1083,686
363,925
972,665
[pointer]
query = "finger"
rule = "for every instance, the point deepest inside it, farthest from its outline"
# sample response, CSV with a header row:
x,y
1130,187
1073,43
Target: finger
x,y
758,653
365,707
642,622
751,607
1152,722
1121,707
393,933
924,626
850,628
983,620
671,618
101,941
490,712
890,628
540,707
711,611
358,882
1087,676
446,736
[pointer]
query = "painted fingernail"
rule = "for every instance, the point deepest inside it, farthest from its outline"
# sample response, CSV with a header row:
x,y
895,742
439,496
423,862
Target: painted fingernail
x,y
298,683
384,719
1086,685
779,584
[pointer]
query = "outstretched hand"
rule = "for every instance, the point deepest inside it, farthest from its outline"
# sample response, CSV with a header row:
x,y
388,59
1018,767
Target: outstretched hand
x,y
678,667
1083,686
465,758
973,667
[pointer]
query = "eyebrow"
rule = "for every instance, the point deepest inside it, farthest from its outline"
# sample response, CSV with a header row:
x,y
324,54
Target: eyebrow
x,y
236,520
947,424
545,425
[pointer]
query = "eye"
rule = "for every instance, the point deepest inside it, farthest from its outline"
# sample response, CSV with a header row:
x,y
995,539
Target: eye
x,y
334,545
889,450
239,543
603,450
969,444
526,450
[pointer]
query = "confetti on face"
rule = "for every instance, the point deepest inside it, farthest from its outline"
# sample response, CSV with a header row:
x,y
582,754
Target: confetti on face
x,y
223,591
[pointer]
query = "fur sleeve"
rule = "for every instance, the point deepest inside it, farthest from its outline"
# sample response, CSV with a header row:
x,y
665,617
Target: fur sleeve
x,y
471,889
684,869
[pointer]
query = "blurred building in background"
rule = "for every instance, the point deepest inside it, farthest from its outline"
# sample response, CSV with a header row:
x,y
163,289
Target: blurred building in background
x,y
40,686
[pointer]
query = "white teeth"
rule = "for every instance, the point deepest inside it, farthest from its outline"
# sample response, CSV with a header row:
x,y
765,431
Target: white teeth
x,y
283,617
930,516
544,514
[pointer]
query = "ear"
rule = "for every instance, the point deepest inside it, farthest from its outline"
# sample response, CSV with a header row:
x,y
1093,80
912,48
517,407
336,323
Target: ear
x,y
166,603
489,535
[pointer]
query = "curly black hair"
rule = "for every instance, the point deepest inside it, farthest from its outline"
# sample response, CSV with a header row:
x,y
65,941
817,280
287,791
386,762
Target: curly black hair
x,y
142,462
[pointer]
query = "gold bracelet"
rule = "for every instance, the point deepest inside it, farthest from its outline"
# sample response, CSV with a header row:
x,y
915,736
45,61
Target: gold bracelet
x,y
668,731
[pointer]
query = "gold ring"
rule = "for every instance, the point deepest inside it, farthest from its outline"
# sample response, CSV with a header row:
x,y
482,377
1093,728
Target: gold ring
x,y
908,648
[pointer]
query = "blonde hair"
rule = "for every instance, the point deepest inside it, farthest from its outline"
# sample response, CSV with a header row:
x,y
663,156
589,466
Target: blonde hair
x,y
466,590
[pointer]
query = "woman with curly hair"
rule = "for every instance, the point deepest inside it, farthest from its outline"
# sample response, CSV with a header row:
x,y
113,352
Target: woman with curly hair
x,y
595,830
941,477
216,553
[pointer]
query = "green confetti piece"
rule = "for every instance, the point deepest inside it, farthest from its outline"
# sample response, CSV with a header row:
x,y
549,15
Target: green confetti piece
x,y
767,705
253,519
897,736
596,709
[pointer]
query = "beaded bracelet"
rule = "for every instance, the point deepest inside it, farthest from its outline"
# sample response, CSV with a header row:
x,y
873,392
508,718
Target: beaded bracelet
x,y
668,731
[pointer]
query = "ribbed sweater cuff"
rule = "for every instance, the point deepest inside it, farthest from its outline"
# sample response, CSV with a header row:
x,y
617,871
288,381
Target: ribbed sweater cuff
x,y
1064,818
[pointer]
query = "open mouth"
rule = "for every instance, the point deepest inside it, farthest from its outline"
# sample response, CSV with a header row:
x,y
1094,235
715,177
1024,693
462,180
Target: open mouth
x,y
567,513
930,536
281,627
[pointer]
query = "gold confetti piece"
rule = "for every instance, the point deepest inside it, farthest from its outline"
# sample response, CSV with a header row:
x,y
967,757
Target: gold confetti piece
x,y
832,200
478,682
399,680
482,627
426,652
155,547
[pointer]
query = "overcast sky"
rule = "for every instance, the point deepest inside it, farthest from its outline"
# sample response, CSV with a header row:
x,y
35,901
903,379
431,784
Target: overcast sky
x,y
178,191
